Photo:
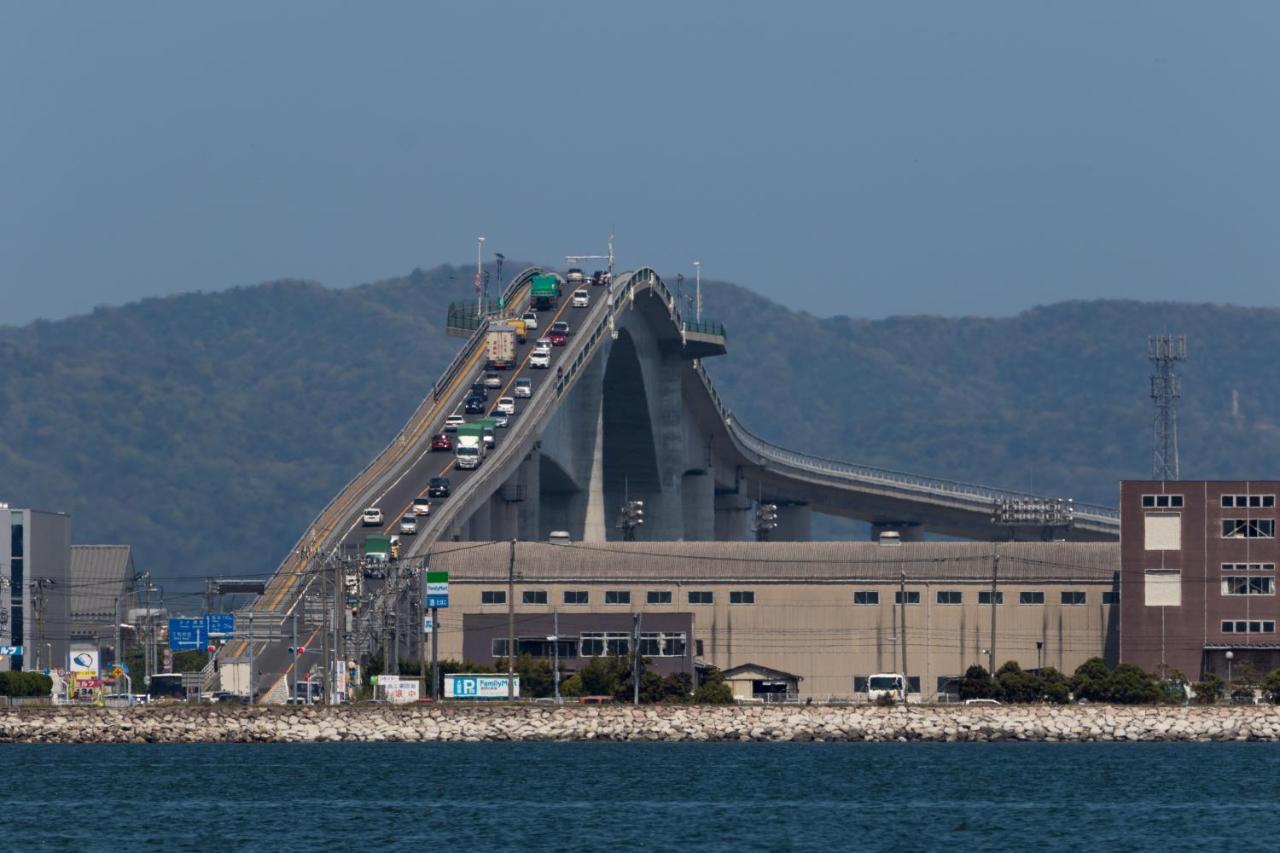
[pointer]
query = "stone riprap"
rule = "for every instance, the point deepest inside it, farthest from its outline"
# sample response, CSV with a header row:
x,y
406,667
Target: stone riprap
x,y
178,724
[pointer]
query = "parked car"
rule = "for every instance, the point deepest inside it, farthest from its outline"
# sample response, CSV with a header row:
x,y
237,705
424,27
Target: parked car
x,y
559,339
438,487
540,358
530,319
492,380
474,406
442,441
452,423
372,517
506,406
422,505
408,525
524,387
581,298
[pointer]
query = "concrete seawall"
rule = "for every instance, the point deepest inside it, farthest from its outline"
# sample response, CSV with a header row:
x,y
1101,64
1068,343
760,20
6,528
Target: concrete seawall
x,y
176,724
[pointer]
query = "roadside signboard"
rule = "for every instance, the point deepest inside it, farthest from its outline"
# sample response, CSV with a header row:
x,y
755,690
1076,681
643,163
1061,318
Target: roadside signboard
x,y
427,624
479,687
187,635
84,660
397,690
10,651
437,589
219,624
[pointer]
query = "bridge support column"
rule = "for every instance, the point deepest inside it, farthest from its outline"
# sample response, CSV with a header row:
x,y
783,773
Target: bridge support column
x,y
698,492
478,526
503,517
908,531
732,514
528,488
794,523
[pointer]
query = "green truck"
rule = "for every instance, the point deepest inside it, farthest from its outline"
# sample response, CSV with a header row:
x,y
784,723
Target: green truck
x,y
377,549
544,292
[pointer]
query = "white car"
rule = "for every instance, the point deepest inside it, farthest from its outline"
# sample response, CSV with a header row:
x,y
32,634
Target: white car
x,y
500,421
530,319
524,388
372,517
408,525
492,380
422,505
542,343
452,423
506,406
540,358
581,298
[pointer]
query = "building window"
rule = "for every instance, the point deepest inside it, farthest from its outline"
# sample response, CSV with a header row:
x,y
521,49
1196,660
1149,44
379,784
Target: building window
x,y
950,596
701,597
913,684
1248,567
533,596
576,596
1248,585
1110,596
537,647
1248,626
860,683
657,596
984,596
1163,531
742,596
662,645
1248,528
617,596
1254,501
1162,501
697,644
866,597
597,643
493,596
1072,596
1163,588
912,597
1035,597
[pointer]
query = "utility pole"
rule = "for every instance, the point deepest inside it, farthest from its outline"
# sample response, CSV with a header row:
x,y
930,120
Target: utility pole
x,y
326,660
293,665
635,658
339,625
479,277
435,648
252,679
422,644
1164,352
697,266
991,649
902,619
555,651
511,623
501,292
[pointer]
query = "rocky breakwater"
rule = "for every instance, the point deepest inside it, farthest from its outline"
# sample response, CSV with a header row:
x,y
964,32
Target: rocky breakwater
x,y
182,724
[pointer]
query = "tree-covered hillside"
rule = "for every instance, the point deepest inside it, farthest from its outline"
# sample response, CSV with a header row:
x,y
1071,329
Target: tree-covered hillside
x,y
208,429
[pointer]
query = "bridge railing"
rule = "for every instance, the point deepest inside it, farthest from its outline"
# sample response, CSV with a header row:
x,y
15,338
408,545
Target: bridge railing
x,y
901,479
282,590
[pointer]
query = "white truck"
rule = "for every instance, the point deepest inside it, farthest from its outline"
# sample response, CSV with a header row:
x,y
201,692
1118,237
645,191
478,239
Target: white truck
x,y
889,684
469,451
500,347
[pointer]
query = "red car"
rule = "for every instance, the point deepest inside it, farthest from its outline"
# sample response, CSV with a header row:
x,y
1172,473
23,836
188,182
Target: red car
x,y
558,339
441,441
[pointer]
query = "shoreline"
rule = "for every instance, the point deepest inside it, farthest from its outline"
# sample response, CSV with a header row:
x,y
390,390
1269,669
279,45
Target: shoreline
x,y
652,723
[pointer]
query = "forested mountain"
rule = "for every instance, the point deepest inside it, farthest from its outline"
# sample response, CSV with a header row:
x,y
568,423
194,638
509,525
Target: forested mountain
x,y
208,429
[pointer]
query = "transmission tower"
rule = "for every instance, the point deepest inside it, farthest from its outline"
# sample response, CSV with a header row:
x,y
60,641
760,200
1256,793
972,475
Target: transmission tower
x,y
1164,353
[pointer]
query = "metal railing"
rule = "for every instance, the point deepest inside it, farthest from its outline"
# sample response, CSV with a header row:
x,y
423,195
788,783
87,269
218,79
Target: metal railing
x,y
705,327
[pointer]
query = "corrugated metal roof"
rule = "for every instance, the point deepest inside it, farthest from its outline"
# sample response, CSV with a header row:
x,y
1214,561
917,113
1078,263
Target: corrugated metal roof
x,y
99,573
815,562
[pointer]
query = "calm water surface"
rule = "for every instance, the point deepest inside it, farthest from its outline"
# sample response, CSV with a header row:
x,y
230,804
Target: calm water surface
x,y
599,796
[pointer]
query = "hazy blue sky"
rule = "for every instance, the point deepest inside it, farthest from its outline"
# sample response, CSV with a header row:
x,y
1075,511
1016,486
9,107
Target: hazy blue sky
x,y
948,157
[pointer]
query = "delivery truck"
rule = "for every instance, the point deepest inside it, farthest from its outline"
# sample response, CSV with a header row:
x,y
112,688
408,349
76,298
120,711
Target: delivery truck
x,y
500,346
544,292
469,448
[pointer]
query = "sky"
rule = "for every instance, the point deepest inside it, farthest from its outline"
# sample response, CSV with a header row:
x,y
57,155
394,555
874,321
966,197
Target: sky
x,y
946,158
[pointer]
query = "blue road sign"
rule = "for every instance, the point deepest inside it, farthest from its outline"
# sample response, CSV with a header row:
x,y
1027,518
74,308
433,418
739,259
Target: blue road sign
x,y
438,600
219,623
10,651
187,634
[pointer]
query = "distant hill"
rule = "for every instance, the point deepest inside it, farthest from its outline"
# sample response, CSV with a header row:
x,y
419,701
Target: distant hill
x,y
208,429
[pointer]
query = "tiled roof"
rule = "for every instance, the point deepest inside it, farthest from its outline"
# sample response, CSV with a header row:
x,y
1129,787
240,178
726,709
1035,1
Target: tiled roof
x,y
814,562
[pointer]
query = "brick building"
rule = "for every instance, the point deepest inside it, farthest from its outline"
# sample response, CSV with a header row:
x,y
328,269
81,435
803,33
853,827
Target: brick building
x,y
1198,565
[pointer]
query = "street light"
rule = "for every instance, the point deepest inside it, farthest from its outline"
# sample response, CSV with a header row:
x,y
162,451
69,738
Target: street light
x,y
697,266
479,249
1230,656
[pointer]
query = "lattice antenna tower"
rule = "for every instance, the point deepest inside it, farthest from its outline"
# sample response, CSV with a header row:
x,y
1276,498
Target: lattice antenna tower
x,y
1164,352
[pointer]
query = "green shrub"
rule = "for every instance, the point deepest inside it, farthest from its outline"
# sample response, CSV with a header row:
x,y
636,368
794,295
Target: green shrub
x,y
25,684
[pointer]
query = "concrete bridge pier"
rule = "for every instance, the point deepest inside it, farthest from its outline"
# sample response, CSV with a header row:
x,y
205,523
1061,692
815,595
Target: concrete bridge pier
x,y
698,492
527,489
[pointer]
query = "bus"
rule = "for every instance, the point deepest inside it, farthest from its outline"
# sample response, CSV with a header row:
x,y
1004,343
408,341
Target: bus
x,y
166,685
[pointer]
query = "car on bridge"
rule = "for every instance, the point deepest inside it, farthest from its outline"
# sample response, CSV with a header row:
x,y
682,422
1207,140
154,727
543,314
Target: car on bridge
x,y
408,525
540,358
543,343
500,421
372,517
506,406
474,406
438,487
422,505
581,298
575,276
479,389
530,319
492,380
559,339
524,387
441,441
559,326
599,278
452,423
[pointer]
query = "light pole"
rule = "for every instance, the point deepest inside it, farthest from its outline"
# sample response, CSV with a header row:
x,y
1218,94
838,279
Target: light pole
x,y
697,267
1230,655
479,249
555,653
501,293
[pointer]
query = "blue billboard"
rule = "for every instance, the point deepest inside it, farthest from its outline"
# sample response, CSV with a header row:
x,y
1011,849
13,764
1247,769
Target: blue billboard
x,y
187,634
217,624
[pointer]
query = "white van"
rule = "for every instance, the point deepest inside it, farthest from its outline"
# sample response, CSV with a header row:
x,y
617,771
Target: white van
x,y
886,684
